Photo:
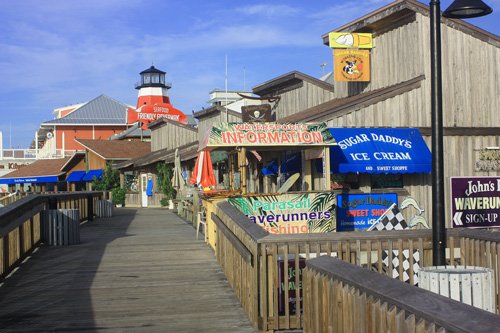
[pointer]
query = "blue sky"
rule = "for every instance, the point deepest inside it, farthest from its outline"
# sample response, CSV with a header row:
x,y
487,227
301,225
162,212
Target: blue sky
x,y
55,53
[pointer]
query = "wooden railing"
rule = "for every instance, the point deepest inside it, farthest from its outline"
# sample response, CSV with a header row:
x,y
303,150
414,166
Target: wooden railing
x,y
341,297
265,270
134,199
20,223
9,198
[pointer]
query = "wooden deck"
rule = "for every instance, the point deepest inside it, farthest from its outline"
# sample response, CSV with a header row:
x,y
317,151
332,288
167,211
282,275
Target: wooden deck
x,y
141,271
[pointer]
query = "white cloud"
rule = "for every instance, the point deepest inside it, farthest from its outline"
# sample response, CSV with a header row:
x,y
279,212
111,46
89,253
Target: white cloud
x,y
268,10
340,14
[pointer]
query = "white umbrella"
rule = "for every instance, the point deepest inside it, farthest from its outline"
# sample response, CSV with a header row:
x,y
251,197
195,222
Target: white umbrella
x,y
178,181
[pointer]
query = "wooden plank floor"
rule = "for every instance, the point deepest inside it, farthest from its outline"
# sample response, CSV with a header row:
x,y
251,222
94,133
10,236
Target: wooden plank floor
x,y
140,271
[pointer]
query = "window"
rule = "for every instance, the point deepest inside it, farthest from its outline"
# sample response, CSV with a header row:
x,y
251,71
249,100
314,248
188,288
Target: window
x,y
387,181
341,181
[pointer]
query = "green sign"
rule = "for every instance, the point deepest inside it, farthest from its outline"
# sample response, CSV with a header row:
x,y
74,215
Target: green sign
x,y
290,213
267,134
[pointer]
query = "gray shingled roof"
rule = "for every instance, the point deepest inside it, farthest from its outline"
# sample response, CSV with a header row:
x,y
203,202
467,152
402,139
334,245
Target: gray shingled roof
x,y
102,110
134,131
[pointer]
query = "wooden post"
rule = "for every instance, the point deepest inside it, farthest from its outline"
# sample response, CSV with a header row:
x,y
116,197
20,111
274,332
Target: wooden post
x,y
306,173
20,238
327,168
53,203
243,169
231,171
90,207
6,254
122,180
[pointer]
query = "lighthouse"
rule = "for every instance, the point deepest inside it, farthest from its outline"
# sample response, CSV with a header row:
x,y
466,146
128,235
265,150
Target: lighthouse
x,y
153,102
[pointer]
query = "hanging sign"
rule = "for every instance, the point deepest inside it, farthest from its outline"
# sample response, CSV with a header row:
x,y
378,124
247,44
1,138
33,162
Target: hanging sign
x,y
475,202
351,65
267,134
488,159
256,113
342,40
151,112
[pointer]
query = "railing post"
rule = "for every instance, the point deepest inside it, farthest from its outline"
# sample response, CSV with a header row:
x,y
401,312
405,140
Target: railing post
x,y
32,232
90,207
6,261
21,240
53,203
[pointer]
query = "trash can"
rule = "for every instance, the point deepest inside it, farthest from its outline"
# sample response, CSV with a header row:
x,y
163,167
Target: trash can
x,y
467,284
61,227
104,208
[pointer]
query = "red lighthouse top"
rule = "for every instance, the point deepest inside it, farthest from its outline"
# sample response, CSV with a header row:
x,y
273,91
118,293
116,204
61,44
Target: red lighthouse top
x,y
153,102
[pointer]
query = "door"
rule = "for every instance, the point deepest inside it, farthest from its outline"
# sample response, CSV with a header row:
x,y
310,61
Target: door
x,y
144,185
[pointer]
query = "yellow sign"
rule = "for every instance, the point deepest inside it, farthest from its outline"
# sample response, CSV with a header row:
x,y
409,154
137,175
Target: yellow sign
x,y
351,65
343,40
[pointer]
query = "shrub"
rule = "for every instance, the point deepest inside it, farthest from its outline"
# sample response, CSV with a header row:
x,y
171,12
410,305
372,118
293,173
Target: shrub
x,y
118,196
110,179
165,173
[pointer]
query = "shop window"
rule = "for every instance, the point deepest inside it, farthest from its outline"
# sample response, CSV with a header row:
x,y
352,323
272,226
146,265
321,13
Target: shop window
x,y
387,181
130,181
344,181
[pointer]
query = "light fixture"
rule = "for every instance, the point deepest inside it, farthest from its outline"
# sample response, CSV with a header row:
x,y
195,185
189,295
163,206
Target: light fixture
x,y
467,9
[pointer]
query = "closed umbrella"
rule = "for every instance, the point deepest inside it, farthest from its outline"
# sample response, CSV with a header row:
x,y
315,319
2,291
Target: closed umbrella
x,y
177,180
203,173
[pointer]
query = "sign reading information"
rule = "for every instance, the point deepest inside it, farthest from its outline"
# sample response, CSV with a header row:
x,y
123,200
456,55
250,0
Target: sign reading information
x,y
267,134
475,202
295,213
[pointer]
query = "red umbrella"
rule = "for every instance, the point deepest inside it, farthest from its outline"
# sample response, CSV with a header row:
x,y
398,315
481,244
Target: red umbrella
x,y
203,173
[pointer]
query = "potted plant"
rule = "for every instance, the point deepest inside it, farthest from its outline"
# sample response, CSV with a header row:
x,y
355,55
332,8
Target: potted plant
x,y
118,196
165,173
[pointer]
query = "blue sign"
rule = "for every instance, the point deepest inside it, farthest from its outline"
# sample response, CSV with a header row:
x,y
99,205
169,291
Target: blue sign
x,y
35,179
379,150
360,211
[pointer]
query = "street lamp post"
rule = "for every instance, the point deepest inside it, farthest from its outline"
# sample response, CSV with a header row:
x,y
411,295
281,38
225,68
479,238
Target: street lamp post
x,y
458,9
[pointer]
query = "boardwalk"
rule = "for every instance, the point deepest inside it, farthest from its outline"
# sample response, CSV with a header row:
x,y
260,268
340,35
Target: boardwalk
x,y
140,271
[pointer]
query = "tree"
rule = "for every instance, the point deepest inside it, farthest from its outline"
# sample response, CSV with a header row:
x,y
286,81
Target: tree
x,y
110,179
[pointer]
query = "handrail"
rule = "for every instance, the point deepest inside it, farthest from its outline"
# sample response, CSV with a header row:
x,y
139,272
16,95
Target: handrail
x,y
20,222
483,234
253,230
15,214
245,253
274,259
10,195
435,309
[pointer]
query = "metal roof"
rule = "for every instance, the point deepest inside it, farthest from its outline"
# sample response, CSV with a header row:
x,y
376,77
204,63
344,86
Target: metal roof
x,y
186,152
134,131
102,110
152,69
